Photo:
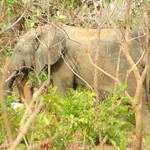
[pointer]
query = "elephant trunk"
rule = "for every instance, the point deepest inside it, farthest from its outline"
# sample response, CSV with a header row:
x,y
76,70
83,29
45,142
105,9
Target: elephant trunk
x,y
9,83
20,79
11,76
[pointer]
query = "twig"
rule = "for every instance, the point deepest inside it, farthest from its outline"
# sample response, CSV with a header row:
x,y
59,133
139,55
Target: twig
x,y
103,142
5,47
43,142
25,126
97,55
100,69
3,11
109,15
12,25
32,133
117,69
76,73
4,111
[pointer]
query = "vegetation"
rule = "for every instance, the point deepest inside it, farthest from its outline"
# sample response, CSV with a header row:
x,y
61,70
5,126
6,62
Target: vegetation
x,y
72,119
64,119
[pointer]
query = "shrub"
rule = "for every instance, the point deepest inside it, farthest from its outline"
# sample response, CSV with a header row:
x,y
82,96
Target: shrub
x,y
71,117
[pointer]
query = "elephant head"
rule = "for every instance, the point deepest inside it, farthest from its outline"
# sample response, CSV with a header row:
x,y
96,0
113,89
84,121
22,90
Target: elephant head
x,y
32,51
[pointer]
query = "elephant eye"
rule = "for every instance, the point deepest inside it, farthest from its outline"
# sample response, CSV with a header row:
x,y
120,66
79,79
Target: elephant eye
x,y
18,49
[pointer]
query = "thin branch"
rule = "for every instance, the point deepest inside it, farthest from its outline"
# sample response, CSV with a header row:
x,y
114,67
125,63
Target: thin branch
x,y
12,25
103,71
117,69
25,126
3,11
4,111
76,73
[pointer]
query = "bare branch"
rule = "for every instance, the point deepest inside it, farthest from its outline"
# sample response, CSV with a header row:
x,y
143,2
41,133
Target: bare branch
x,y
12,25
25,126
4,114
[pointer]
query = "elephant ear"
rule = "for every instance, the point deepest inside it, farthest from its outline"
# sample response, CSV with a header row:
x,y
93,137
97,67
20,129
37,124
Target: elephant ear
x,y
52,43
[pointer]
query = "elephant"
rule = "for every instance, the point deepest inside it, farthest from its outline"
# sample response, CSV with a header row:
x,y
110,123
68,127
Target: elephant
x,y
73,53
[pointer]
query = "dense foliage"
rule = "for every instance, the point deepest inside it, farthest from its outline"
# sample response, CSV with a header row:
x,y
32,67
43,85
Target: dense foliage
x,y
72,118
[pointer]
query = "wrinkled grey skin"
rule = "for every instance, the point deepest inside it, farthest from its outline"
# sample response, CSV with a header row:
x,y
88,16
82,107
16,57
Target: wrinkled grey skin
x,y
73,65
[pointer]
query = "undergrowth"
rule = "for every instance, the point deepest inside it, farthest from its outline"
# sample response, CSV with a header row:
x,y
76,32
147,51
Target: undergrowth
x,y
72,117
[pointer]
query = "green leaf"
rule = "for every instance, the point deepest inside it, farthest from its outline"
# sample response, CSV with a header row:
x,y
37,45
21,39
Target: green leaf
x,y
46,121
114,144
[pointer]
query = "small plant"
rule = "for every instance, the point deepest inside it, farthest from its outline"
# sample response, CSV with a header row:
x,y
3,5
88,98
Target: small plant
x,y
114,117
41,77
9,51
10,3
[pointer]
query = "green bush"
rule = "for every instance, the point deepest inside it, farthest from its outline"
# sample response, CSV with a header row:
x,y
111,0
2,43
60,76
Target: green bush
x,y
72,115
115,117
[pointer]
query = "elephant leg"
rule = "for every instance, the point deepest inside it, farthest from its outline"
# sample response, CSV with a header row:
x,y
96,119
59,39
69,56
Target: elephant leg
x,y
145,114
62,76
144,106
